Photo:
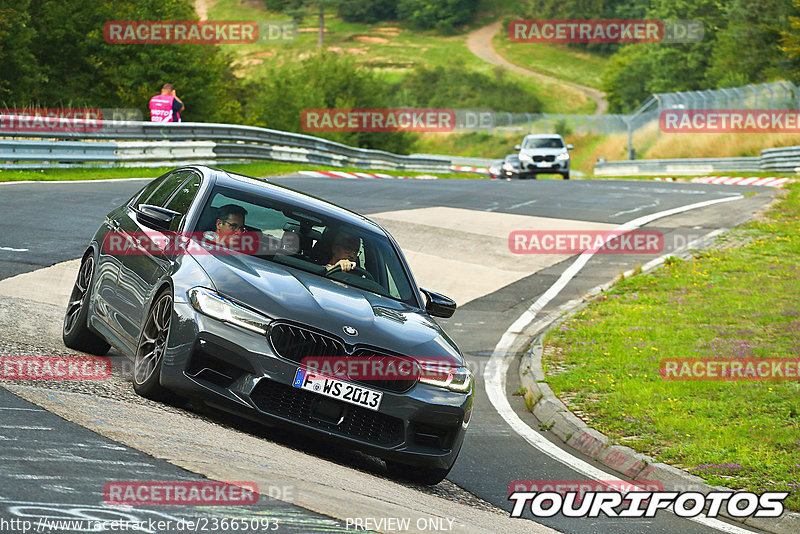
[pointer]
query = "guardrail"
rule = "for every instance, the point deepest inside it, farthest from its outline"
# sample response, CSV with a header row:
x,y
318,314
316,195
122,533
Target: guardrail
x,y
166,142
684,166
783,159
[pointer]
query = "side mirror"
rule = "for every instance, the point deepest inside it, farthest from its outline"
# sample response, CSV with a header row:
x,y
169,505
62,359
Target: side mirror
x,y
517,147
570,147
438,305
156,217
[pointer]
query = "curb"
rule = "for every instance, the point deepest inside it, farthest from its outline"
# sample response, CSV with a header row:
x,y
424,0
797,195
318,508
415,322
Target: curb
x,y
558,419
466,168
770,181
364,175
738,180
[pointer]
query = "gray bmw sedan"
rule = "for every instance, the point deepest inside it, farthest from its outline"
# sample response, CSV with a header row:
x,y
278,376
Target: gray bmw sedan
x,y
278,306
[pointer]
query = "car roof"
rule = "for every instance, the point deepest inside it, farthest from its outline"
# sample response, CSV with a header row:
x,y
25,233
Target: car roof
x,y
264,187
543,136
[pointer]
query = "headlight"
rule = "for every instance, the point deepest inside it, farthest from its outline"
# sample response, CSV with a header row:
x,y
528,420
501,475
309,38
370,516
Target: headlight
x,y
563,156
524,156
508,166
453,378
215,305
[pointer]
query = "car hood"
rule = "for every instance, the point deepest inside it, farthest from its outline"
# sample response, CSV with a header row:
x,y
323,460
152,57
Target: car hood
x,y
542,151
291,294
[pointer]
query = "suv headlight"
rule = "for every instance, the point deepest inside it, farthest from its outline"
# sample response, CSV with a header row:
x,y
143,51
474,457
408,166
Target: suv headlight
x,y
453,378
524,157
215,305
563,156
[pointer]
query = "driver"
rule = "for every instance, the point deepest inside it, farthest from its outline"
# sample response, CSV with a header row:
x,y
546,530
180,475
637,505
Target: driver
x,y
344,251
230,222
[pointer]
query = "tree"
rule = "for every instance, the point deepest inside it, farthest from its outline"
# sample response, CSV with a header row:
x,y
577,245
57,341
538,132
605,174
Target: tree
x,y
367,11
20,69
78,68
443,15
322,81
300,9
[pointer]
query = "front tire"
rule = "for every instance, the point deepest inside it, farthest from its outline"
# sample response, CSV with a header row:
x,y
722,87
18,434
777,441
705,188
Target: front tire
x,y
75,332
565,175
150,350
421,475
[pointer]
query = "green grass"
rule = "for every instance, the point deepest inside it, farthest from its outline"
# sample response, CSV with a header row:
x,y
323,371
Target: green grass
x,y
251,169
555,60
388,48
737,300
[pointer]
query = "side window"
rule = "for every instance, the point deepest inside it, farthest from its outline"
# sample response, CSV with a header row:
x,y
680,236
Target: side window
x,y
160,196
183,198
147,191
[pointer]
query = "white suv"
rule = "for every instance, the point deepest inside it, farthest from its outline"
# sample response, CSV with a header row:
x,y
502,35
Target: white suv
x,y
543,154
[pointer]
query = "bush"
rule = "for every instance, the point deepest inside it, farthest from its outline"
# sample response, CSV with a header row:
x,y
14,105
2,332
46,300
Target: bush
x,y
455,87
367,11
442,15
323,80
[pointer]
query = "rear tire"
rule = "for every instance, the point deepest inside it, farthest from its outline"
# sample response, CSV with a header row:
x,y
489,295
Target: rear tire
x,y
75,331
150,351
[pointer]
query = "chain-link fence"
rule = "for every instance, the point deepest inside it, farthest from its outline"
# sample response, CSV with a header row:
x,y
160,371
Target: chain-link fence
x,y
642,125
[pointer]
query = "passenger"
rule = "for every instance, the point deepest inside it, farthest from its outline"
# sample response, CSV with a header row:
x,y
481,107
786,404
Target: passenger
x,y
230,221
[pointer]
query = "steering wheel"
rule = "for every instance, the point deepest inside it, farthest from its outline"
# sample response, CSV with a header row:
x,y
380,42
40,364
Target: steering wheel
x,y
357,270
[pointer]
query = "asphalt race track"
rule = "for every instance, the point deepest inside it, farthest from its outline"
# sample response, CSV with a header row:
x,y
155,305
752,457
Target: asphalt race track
x,y
454,233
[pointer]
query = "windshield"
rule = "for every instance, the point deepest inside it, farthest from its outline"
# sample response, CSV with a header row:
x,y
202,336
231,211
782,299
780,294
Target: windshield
x,y
298,237
543,142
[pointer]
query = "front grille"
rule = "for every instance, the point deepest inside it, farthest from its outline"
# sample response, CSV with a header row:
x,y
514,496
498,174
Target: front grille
x,y
300,405
539,159
295,343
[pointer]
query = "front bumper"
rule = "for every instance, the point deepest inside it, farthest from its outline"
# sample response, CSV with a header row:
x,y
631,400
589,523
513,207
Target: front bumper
x,y
237,370
532,167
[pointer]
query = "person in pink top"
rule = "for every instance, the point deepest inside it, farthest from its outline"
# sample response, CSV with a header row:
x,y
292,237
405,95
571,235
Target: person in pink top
x,y
166,106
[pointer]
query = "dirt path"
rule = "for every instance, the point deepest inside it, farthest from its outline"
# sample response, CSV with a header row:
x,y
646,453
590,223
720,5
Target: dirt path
x,y
202,6
479,43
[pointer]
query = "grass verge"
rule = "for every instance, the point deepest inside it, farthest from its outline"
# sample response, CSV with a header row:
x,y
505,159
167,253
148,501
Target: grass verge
x,y
251,169
739,299
559,61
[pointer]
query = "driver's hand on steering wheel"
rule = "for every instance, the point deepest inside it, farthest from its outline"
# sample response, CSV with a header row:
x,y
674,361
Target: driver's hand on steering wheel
x,y
345,265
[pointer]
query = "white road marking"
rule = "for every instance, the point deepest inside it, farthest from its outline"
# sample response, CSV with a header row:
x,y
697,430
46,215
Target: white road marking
x,y
21,427
522,204
655,203
14,249
495,373
24,409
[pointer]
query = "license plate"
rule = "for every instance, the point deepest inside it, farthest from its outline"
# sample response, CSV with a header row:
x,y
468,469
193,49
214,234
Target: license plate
x,y
338,389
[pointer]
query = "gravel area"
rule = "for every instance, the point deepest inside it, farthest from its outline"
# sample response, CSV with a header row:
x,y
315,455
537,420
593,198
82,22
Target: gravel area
x,y
33,342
